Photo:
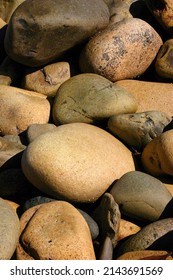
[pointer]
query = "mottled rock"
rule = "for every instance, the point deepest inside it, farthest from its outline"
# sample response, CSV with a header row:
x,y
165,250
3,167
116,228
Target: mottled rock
x,y
57,231
53,29
20,108
151,96
47,79
120,44
60,162
157,156
137,130
9,230
34,130
141,196
154,236
90,98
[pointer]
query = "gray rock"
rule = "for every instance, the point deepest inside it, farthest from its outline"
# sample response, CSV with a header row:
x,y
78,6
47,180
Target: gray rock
x,y
37,200
138,129
94,229
141,196
54,28
9,230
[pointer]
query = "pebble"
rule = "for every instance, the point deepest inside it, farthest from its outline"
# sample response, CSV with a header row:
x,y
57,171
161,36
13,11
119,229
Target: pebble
x,y
35,130
127,228
146,255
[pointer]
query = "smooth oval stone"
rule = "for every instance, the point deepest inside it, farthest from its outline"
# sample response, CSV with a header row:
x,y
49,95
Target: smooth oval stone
x,y
54,28
127,228
9,230
48,79
141,196
20,108
157,156
90,98
120,44
35,130
57,231
155,236
94,229
60,162
164,60
137,130
151,96
146,255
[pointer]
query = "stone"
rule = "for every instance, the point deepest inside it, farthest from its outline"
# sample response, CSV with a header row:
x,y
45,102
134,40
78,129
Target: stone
x,y
90,98
19,108
2,23
106,250
35,130
53,29
119,10
141,196
9,230
138,129
127,228
48,79
60,162
108,215
94,229
57,231
151,96
164,60
7,7
146,255
120,44
13,204
8,150
154,236
157,156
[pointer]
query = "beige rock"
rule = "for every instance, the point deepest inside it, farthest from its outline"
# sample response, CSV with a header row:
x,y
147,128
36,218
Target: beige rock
x,y
13,204
57,231
112,52
47,79
20,108
151,96
7,7
157,156
76,161
34,130
127,228
2,23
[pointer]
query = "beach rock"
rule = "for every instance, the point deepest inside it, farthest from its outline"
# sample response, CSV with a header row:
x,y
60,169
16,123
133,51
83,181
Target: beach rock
x,y
120,44
164,60
118,9
127,228
20,108
151,96
138,129
9,230
94,229
53,29
157,156
146,255
106,250
34,201
7,7
57,231
90,98
60,162
155,236
47,79
141,196
34,130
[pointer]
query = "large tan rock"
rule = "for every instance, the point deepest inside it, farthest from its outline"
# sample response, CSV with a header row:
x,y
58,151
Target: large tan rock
x,y
76,161
7,7
56,231
151,96
19,108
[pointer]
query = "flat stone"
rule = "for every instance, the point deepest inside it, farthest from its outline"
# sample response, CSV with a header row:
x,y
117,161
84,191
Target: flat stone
x,y
60,162
90,98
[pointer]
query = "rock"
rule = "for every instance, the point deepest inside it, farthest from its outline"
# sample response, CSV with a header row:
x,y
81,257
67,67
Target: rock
x,y
34,201
157,158
119,10
60,162
150,96
163,12
2,23
35,130
19,108
53,29
108,216
9,230
94,229
90,98
127,228
138,129
7,7
120,44
48,79
141,196
155,236
9,149
146,255
164,60
57,231
13,204
106,250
